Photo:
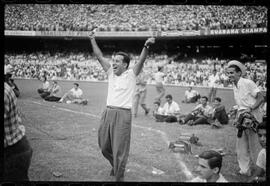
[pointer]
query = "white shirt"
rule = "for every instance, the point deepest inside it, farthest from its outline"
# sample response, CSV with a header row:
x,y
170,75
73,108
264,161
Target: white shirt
x,y
261,160
171,109
46,85
245,93
76,93
159,77
213,80
207,110
121,88
56,91
190,94
159,111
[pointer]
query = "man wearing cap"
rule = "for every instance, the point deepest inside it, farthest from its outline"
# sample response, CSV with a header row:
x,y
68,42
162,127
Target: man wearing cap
x,y
248,98
115,125
8,79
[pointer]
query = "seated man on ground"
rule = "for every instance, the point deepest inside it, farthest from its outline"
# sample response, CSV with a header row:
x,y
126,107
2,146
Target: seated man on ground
x,y
171,109
158,112
210,163
74,95
55,92
200,114
219,115
44,91
259,174
191,95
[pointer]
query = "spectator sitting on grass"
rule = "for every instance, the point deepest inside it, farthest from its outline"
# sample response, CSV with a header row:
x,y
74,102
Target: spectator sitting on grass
x,y
74,95
219,114
44,91
55,92
191,95
158,112
171,109
200,114
260,168
210,163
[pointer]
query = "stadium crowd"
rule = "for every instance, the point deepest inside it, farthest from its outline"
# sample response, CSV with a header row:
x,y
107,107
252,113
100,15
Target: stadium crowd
x,y
83,17
81,66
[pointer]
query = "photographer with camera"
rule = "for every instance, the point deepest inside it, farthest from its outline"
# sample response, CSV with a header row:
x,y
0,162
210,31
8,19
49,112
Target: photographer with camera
x,y
248,99
200,114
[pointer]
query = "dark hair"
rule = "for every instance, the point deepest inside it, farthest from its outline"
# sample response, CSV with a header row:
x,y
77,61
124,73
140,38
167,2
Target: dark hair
x,y
159,68
205,97
76,84
214,159
168,96
157,102
218,99
236,68
126,57
262,125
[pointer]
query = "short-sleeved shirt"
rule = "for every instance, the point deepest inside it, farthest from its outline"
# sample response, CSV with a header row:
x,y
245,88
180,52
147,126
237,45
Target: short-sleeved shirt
x,y
261,159
207,110
245,93
171,109
121,88
56,91
213,80
46,85
190,94
160,111
159,77
76,93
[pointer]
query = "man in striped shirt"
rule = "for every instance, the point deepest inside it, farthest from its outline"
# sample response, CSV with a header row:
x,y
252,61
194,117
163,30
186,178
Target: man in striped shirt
x,y
17,150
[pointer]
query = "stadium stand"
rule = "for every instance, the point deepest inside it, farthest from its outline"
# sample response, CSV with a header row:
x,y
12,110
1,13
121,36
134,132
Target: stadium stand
x,y
64,17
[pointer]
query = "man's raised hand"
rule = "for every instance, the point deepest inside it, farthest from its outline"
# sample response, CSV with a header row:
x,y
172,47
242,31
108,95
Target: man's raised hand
x,y
150,41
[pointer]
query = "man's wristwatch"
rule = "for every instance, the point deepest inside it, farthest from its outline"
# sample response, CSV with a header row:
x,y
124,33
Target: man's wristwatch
x,y
146,46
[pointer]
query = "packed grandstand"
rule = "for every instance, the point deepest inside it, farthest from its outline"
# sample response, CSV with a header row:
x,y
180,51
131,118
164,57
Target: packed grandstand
x,y
83,17
80,65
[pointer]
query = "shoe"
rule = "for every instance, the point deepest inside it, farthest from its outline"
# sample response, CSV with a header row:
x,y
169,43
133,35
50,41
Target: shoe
x,y
84,102
190,123
181,121
248,173
147,111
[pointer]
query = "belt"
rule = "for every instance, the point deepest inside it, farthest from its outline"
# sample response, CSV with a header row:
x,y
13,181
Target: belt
x,y
121,108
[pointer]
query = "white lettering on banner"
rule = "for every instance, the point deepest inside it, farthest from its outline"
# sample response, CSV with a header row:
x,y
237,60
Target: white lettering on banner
x,y
238,31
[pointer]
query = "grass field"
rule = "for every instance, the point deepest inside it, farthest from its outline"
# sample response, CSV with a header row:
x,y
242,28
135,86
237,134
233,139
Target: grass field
x,y
64,138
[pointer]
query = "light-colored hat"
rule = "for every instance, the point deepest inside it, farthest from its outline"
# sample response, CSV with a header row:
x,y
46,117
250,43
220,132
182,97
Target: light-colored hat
x,y
8,69
239,64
